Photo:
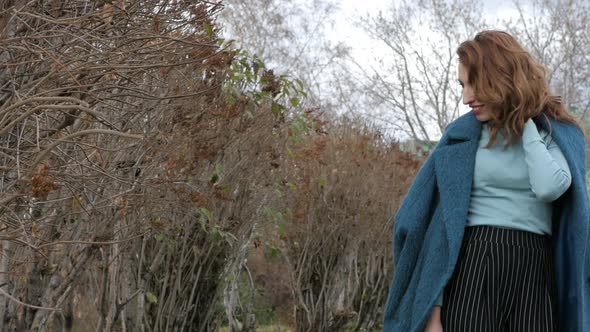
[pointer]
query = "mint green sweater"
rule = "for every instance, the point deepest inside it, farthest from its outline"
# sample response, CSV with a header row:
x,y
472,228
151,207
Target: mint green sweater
x,y
514,186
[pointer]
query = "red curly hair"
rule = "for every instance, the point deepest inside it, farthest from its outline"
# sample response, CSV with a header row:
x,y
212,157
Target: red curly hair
x,y
507,79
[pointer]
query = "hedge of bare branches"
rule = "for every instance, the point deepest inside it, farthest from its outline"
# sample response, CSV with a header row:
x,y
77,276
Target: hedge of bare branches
x,y
142,160
124,171
339,190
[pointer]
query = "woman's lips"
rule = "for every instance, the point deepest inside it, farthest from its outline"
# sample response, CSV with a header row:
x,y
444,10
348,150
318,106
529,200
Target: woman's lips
x,y
476,109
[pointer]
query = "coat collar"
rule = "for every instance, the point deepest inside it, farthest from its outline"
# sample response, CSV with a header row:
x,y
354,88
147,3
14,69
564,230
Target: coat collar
x,y
467,127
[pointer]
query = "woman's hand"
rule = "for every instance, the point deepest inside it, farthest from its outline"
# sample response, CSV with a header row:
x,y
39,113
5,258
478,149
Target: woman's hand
x,y
434,324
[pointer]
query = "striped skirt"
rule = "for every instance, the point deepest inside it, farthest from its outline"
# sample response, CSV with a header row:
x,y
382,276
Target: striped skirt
x,y
503,281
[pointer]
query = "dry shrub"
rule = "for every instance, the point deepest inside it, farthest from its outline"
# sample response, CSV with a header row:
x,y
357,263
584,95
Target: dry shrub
x,y
211,203
273,294
344,184
127,177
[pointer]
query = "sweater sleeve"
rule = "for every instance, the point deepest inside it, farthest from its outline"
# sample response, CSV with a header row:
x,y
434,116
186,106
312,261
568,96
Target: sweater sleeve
x,y
549,173
439,301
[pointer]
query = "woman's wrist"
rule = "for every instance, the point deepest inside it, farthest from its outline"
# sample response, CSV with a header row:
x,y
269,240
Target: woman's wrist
x,y
435,313
434,322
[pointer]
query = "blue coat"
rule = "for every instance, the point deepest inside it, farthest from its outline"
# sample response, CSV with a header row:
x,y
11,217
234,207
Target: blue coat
x,y
430,223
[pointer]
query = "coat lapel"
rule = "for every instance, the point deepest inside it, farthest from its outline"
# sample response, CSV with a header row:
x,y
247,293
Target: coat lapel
x,y
454,166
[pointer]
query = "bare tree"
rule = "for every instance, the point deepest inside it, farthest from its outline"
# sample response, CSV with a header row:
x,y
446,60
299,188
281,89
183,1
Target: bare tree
x,y
409,86
289,36
558,34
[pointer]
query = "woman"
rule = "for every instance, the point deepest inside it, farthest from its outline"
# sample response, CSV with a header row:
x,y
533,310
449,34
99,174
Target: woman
x,y
493,234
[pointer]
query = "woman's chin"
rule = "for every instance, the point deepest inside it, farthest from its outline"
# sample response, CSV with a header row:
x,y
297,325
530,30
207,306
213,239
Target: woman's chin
x,y
482,117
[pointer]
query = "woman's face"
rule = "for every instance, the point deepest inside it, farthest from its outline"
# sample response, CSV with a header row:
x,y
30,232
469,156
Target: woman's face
x,y
479,110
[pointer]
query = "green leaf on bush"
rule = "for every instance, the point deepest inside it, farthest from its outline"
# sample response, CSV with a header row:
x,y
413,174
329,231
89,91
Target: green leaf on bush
x,y
151,297
276,109
209,29
281,229
275,252
278,193
206,213
216,233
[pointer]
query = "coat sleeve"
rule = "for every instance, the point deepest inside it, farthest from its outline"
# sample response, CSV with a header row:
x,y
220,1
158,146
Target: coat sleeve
x,y
411,220
412,216
417,206
415,209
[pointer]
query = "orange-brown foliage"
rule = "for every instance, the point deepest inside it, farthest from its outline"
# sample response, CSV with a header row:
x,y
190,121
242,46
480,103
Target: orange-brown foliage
x,y
345,184
42,183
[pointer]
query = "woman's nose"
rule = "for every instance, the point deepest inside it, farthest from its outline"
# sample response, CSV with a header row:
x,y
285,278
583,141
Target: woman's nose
x,y
468,96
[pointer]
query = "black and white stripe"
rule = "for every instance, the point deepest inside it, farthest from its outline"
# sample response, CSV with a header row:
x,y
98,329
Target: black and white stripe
x,y
503,282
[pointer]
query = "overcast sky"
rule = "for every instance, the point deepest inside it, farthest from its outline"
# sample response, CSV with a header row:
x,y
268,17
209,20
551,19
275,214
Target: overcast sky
x,y
365,51
350,10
